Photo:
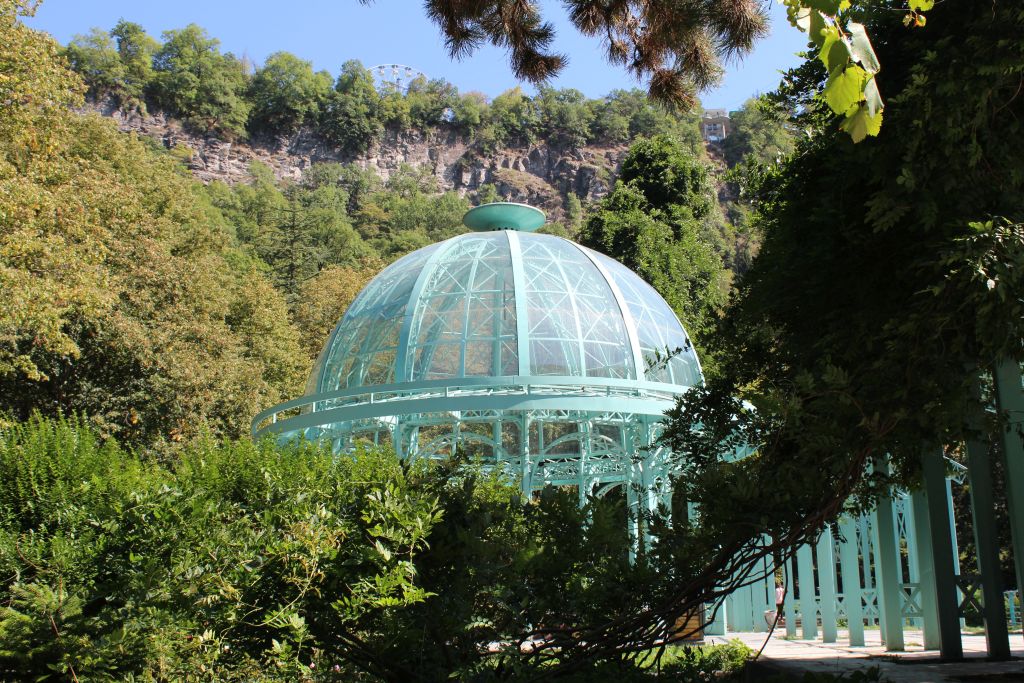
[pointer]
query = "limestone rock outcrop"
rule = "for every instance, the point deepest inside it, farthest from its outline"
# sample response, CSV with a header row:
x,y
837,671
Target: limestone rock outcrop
x,y
539,175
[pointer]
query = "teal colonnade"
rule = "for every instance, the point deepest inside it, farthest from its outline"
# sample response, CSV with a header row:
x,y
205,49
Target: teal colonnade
x,y
898,566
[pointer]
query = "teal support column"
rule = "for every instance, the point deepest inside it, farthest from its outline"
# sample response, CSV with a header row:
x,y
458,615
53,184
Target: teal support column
x,y
742,615
789,602
525,460
939,560
764,595
925,562
913,553
887,566
827,585
1010,400
866,534
729,603
633,522
717,625
851,581
808,606
979,473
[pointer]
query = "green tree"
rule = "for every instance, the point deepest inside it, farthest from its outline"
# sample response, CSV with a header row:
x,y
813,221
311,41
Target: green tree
x,y
653,221
888,283
118,64
431,102
514,119
469,111
758,133
286,94
565,117
196,82
323,300
126,297
627,114
95,58
295,229
136,49
351,116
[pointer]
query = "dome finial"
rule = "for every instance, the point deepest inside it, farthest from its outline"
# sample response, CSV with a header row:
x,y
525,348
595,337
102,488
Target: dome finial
x,y
504,216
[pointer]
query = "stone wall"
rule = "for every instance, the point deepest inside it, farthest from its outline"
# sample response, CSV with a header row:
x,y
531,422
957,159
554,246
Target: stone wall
x,y
538,175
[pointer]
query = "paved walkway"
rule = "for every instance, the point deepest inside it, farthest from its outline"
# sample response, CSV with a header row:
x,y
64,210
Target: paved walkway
x,y
916,665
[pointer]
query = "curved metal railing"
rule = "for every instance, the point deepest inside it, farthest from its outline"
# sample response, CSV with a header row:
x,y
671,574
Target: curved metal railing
x,y
463,387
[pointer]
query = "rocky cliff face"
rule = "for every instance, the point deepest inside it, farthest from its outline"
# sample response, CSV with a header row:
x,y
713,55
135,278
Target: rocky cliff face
x,y
540,175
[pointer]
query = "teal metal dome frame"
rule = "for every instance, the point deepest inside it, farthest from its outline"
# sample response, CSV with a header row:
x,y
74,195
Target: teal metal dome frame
x,y
533,353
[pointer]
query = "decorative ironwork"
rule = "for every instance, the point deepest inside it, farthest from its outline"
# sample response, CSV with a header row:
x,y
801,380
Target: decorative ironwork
x,y
970,587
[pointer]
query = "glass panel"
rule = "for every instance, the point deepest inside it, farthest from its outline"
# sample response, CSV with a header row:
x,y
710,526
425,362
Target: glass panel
x,y
575,326
362,348
466,312
480,358
658,329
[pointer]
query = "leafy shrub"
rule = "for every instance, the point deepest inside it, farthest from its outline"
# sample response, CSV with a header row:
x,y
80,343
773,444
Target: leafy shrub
x,y
240,558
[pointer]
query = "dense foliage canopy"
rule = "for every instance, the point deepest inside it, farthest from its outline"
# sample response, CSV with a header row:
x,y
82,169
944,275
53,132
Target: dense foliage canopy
x,y
125,297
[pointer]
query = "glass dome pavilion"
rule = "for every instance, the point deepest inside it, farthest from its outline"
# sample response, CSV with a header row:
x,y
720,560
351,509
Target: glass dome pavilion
x,y
528,350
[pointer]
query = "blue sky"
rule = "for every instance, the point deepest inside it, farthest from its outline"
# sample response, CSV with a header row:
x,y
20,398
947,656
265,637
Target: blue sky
x,y
328,32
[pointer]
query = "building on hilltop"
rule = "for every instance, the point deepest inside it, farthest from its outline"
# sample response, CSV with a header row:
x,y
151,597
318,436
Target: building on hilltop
x,y
715,125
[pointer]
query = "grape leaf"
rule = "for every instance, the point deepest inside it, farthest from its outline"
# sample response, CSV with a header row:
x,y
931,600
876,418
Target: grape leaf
x,y
844,88
818,25
861,124
835,53
861,48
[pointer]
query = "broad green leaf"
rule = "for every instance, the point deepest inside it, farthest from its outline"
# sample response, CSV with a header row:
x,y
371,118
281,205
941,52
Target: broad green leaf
x,y
920,5
861,124
817,28
844,88
835,54
872,97
861,48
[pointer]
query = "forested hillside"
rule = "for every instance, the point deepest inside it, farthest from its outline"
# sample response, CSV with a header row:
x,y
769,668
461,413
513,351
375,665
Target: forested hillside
x,y
557,150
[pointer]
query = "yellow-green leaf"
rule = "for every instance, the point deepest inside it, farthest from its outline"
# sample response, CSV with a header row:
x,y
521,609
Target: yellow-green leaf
x,y
835,53
816,31
921,5
861,124
844,88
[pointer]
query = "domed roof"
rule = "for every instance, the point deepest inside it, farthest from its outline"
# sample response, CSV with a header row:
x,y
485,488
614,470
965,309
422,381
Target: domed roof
x,y
501,304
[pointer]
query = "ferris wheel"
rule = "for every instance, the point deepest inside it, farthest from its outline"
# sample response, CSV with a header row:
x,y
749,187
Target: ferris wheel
x,y
395,77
